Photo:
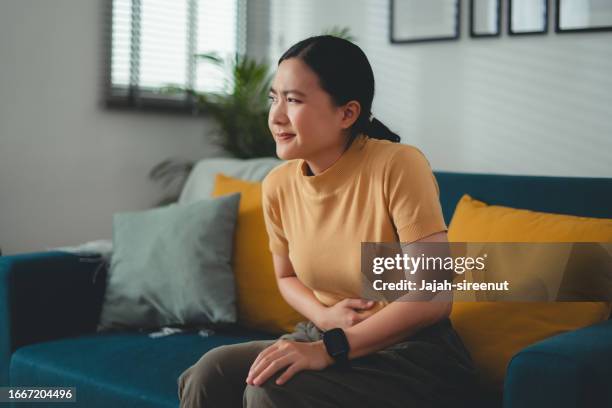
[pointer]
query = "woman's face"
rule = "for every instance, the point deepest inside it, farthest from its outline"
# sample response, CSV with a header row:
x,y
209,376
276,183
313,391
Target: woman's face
x,y
301,108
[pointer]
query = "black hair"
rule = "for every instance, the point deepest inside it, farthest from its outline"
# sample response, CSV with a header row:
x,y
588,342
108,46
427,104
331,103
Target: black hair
x,y
345,74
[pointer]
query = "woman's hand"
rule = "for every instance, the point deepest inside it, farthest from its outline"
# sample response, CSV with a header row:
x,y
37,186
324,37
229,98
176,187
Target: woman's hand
x,y
296,356
345,313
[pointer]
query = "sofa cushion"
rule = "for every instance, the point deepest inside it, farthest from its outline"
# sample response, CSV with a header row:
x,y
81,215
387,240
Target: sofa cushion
x,y
260,303
172,266
494,332
476,221
117,369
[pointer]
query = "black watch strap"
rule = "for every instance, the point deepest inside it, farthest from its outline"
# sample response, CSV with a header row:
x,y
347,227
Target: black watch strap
x,y
337,346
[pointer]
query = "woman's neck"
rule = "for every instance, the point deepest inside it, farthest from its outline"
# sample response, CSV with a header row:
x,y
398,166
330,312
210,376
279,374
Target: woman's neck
x,y
324,161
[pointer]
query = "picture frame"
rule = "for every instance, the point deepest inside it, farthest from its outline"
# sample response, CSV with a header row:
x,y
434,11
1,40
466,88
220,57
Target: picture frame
x,y
485,18
580,16
415,21
527,17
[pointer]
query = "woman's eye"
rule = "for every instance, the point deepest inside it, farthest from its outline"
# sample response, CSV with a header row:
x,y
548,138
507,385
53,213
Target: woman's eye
x,y
273,99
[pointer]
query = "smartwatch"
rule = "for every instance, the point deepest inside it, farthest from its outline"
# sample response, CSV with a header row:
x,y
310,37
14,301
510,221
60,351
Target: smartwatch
x,y
337,346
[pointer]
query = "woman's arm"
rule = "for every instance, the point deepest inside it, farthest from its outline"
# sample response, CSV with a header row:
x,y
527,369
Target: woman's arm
x,y
295,292
397,320
392,324
344,314
385,327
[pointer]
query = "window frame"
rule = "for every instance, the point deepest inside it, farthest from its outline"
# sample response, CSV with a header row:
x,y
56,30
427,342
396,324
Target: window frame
x,y
143,99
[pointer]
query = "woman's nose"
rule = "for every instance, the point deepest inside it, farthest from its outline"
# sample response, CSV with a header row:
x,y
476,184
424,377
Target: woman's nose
x,y
278,115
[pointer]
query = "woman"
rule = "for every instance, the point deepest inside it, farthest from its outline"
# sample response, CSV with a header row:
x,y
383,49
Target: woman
x,y
346,181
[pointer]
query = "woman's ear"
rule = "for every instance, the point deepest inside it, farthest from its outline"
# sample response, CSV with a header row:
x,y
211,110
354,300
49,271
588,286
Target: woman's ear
x,y
351,112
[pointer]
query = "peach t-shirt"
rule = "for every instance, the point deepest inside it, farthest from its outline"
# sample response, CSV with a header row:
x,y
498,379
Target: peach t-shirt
x,y
377,191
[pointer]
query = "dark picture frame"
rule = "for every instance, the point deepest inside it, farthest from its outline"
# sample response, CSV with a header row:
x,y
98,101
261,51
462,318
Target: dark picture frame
x,y
512,30
448,21
595,28
473,20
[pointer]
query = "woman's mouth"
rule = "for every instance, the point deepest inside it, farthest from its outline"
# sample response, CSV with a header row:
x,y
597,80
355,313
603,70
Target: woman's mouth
x,y
283,137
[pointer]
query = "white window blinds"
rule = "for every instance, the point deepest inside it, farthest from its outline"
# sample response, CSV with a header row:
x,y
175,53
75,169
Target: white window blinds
x,y
153,45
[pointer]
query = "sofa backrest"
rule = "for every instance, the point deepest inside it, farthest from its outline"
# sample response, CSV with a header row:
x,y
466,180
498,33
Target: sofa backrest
x,y
584,196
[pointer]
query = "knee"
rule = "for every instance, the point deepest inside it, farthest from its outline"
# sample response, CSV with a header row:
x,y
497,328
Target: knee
x,y
205,375
181,382
270,394
264,396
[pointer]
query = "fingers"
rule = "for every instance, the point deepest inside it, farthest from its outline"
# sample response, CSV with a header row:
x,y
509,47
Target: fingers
x,y
358,316
260,365
270,349
366,313
273,367
359,303
289,372
291,356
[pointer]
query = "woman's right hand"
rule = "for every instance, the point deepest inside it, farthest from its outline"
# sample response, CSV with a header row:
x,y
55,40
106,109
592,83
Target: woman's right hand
x,y
345,313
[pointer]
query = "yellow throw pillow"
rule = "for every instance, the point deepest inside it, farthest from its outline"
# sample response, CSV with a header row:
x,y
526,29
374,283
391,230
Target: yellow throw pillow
x,y
260,303
494,332
475,221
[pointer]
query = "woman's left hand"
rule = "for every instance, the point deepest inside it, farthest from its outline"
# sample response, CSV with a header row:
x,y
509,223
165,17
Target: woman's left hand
x,y
294,355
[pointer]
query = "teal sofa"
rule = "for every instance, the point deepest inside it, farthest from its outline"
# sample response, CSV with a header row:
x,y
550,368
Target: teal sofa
x,y
50,303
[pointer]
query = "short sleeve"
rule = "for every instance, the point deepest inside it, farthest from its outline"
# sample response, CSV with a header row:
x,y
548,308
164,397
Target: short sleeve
x,y
413,195
274,226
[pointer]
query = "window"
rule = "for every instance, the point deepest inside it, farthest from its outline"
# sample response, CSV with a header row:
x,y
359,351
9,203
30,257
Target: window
x,y
153,44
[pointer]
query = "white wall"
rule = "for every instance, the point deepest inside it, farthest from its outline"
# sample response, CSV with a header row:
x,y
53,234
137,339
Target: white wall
x,y
537,105
523,105
66,164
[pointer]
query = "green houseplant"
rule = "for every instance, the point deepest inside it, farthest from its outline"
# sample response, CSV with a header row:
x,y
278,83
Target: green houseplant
x,y
241,108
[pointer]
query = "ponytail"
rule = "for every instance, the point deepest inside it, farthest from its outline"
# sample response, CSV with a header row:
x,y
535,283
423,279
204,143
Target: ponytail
x,y
377,130
373,128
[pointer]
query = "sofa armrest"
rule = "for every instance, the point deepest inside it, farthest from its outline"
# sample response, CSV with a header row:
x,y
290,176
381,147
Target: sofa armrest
x,y
45,296
569,370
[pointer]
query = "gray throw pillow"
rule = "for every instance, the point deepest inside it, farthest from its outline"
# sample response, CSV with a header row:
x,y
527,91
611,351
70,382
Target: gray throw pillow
x,y
172,266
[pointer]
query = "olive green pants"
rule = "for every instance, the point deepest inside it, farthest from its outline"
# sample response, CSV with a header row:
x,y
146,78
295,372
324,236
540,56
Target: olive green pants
x,y
429,369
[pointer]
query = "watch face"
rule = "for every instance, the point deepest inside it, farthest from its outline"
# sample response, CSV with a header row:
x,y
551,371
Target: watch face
x,y
336,345
335,342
